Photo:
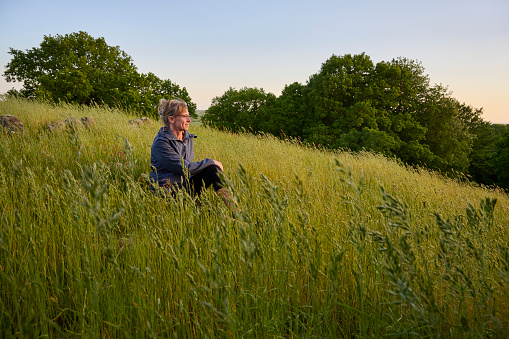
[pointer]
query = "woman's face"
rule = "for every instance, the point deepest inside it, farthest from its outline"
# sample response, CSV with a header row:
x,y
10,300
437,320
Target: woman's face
x,y
181,122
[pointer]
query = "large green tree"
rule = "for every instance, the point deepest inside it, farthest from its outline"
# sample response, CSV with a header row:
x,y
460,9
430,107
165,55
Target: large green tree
x,y
359,105
339,95
78,68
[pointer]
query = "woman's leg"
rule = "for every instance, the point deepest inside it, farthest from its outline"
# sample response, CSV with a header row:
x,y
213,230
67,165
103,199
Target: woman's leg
x,y
206,178
210,177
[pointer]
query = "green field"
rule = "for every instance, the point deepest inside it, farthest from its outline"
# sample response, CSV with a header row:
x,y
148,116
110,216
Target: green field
x,y
327,245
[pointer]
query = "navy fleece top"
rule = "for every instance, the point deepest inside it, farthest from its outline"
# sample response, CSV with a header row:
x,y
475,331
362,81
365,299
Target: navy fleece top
x,y
169,154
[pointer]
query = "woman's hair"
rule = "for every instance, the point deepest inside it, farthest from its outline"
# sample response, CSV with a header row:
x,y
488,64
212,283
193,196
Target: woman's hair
x,y
170,108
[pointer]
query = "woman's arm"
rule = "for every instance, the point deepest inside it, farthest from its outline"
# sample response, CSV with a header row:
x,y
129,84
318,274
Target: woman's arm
x,y
169,158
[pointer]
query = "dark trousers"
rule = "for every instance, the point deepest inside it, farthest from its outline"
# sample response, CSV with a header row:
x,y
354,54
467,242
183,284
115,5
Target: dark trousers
x,y
198,182
209,176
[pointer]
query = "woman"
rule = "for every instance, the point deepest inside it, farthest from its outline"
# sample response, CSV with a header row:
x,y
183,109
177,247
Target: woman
x,y
172,155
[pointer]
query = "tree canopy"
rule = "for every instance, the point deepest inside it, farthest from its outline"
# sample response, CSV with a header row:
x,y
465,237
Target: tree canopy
x,y
352,103
78,68
501,160
246,108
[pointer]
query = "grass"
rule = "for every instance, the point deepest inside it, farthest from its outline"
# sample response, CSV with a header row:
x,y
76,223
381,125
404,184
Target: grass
x,y
328,244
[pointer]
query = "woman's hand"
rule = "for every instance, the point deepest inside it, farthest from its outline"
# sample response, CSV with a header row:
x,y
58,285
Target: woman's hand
x,y
218,164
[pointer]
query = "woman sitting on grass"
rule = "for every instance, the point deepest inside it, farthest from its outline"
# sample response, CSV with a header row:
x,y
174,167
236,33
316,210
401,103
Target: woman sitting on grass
x,y
172,156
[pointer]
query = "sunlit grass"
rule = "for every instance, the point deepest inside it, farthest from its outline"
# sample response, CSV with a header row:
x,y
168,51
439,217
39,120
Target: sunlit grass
x,y
328,244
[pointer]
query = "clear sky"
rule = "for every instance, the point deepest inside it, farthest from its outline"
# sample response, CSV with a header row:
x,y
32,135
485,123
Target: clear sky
x,y
209,46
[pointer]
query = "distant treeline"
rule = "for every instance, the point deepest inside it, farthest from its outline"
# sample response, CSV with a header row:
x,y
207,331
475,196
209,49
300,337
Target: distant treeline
x,y
388,107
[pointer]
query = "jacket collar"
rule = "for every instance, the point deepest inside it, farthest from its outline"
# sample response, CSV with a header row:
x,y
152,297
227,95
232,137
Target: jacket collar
x,y
166,132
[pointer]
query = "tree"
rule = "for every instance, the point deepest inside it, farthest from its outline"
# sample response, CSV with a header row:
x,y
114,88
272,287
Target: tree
x,y
501,161
152,89
358,105
74,68
78,68
484,140
447,134
289,114
398,90
240,109
339,97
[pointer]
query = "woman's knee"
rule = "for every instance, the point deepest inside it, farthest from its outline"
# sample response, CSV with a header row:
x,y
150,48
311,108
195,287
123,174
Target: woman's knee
x,y
213,176
213,169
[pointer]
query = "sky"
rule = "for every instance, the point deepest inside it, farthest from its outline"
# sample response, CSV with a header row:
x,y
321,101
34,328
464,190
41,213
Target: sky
x,y
209,46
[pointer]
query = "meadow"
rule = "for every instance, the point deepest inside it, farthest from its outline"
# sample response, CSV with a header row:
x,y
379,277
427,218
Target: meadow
x,y
327,244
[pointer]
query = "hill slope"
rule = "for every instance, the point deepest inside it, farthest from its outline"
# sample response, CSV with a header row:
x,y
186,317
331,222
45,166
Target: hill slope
x,y
373,248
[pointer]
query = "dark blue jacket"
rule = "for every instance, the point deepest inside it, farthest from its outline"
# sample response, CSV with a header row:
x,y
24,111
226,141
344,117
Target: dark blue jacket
x,y
169,154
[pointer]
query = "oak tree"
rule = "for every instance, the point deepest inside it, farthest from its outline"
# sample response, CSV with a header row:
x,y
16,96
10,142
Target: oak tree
x,y
78,68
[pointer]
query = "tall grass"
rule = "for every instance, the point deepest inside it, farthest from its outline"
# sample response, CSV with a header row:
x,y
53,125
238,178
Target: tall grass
x,y
328,244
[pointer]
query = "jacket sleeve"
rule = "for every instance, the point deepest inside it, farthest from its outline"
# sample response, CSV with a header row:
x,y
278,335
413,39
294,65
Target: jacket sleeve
x,y
168,159
197,166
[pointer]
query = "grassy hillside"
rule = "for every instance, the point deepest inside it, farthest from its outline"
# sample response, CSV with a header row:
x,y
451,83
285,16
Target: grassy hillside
x,y
328,244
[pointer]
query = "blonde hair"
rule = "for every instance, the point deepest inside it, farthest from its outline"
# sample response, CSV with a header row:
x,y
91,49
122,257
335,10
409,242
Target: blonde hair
x,y
170,108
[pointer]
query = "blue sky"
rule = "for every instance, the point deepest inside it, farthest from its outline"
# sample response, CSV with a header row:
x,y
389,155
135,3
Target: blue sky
x,y
209,46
